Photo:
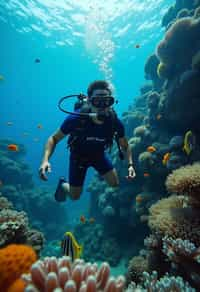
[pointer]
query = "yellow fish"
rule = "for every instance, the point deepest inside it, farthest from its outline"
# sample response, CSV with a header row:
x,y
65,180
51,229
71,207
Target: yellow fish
x,y
189,142
166,158
70,246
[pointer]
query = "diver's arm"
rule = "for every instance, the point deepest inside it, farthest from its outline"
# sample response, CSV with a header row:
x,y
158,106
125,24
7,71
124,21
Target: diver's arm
x,y
51,144
123,142
48,151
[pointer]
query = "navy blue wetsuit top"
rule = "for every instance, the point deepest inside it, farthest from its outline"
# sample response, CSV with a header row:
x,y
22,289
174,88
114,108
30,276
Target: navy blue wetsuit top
x,y
96,135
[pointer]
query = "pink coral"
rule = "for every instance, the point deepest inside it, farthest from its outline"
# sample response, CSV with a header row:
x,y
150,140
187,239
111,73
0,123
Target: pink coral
x,y
52,273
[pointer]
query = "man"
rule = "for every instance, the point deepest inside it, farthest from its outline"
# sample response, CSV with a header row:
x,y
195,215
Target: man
x,y
88,144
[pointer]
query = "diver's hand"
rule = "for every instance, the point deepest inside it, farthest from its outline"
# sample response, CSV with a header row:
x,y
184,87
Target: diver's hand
x,y
131,173
45,167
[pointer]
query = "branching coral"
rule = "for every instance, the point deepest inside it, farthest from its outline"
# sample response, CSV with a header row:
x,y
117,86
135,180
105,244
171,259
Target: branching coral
x,y
52,273
165,284
186,257
185,181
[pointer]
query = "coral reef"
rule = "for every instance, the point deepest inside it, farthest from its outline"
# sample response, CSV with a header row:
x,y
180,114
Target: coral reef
x,y
52,273
136,267
164,284
172,217
185,259
185,181
170,53
14,227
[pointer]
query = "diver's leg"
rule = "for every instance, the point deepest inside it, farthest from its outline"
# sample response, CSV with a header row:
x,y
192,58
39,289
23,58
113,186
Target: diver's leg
x,y
77,173
73,188
106,170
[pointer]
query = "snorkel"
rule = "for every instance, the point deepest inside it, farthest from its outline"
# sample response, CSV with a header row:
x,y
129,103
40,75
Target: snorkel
x,y
99,103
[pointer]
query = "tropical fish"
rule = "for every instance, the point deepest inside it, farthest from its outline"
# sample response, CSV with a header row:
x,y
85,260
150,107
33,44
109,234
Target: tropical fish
x,y
91,220
166,158
189,142
13,147
151,149
82,219
137,46
146,174
70,246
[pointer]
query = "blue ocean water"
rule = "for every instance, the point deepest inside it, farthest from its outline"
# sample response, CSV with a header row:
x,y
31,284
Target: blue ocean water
x,y
77,42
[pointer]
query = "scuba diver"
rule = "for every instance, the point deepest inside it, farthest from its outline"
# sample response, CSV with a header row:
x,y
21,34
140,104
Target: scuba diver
x,y
92,127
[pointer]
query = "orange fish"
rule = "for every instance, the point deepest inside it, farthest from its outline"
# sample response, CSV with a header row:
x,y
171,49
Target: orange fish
x,y
39,126
13,147
91,220
146,174
158,117
137,46
151,149
166,158
139,199
82,219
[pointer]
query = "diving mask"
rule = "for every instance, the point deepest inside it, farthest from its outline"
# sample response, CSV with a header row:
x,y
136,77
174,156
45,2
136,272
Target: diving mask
x,y
102,101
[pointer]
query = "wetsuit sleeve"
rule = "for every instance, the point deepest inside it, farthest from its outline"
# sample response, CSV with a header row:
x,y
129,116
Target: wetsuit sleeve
x,y
69,124
120,128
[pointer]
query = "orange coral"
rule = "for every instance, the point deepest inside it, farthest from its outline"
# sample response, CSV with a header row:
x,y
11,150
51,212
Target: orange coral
x,y
17,286
14,261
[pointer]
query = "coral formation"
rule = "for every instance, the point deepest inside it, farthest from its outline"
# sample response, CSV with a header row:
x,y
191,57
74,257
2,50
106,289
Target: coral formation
x,y
14,227
136,267
185,181
184,32
14,261
52,273
164,284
